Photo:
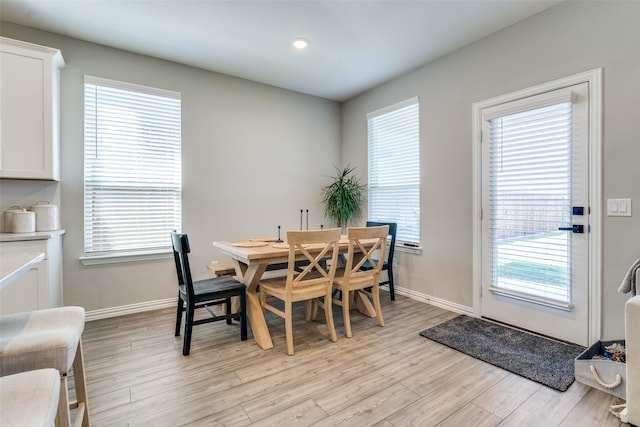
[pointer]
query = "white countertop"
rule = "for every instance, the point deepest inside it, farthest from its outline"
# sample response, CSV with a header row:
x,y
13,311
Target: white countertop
x,y
38,235
13,266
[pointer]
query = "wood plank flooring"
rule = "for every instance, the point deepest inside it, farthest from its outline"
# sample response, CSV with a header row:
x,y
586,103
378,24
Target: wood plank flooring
x,y
390,376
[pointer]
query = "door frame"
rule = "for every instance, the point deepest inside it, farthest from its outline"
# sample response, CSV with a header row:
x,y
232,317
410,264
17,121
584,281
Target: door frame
x,y
594,79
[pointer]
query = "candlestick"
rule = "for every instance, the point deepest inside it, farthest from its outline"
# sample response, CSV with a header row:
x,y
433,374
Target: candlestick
x,y
307,219
301,219
279,240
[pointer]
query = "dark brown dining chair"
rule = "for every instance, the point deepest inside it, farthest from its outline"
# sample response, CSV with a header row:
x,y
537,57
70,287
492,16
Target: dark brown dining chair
x,y
388,262
203,294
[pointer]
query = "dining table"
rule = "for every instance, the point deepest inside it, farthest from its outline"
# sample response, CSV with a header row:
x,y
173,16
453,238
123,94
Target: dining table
x,y
253,257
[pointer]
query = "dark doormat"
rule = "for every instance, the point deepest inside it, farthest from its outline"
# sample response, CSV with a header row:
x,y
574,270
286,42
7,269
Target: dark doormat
x,y
537,358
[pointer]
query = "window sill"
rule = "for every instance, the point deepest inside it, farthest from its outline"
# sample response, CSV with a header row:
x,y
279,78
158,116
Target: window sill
x,y
401,247
120,257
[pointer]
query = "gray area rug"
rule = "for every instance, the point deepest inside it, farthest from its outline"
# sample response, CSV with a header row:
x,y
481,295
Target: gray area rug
x,y
539,359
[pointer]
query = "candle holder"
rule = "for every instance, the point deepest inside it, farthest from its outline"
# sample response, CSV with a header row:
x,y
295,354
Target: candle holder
x,y
279,239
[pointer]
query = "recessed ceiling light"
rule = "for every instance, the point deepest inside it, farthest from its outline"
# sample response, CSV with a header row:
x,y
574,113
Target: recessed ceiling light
x,y
300,43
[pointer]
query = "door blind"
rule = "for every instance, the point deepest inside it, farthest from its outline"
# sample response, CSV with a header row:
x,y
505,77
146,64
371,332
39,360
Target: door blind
x,y
394,168
132,169
529,199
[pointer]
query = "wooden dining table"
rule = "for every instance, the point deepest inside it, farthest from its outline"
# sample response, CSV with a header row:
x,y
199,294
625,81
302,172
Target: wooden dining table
x,y
252,258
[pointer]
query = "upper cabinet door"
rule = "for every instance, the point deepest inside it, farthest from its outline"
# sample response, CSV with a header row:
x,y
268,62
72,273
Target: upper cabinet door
x,y
29,111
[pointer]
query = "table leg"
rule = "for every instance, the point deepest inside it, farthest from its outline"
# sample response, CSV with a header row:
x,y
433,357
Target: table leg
x,y
364,304
251,276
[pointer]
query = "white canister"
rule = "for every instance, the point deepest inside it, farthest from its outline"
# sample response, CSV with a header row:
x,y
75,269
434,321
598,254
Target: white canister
x,y
8,218
47,216
24,221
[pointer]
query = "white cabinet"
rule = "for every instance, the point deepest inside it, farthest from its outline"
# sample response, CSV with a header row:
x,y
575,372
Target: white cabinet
x,y
29,111
41,286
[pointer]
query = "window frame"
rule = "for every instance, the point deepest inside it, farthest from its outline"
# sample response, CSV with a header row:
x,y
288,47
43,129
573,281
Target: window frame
x,y
402,242
173,143
594,78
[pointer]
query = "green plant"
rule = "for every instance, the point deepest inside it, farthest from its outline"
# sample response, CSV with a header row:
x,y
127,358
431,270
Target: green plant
x,y
343,197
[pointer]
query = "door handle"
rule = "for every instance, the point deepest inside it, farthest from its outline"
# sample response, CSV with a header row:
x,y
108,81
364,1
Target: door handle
x,y
578,228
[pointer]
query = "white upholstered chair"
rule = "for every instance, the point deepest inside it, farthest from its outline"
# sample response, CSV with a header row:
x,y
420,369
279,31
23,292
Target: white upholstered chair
x,y
49,338
30,398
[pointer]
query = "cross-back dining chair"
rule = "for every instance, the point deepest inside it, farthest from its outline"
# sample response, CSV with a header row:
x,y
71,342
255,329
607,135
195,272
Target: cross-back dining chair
x,y
352,279
198,294
313,282
388,262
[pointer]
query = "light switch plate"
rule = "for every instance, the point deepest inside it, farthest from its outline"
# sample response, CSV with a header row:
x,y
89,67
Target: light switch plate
x,y
618,207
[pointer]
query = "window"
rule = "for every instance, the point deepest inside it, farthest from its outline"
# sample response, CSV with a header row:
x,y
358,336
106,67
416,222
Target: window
x,y
132,169
394,168
529,197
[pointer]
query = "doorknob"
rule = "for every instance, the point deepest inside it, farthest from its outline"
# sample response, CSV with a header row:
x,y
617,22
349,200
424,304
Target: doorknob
x,y
578,228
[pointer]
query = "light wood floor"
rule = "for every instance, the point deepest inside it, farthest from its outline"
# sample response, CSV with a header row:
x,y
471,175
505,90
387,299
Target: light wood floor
x,y
390,376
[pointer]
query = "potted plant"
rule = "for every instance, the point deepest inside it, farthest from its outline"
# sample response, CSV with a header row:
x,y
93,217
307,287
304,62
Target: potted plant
x,y
343,197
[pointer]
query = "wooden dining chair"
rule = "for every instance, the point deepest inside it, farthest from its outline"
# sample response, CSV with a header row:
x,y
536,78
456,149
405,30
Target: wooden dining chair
x,y
388,262
352,280
315,281
204,294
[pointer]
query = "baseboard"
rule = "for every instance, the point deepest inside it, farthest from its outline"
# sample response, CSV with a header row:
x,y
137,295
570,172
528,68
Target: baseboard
x,y
123,310
438,302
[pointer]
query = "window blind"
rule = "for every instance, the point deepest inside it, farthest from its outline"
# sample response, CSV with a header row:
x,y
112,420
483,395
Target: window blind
x,y
132,166
530,198
394,168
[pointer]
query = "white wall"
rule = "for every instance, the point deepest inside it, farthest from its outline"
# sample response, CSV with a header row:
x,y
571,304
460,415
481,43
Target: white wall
x,y
253,156
564,40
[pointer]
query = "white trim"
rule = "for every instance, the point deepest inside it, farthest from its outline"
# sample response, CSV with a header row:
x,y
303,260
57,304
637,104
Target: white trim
x,y
114,258
594,79
411,101
531,103
400,247
141,307
124,310
132,87
595,198
438,302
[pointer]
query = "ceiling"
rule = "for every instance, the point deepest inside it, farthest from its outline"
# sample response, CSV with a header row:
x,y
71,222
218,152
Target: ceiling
x,y
355,44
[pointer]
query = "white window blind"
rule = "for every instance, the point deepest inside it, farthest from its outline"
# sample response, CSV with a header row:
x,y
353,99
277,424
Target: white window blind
x,y
530,199
132,166
394,168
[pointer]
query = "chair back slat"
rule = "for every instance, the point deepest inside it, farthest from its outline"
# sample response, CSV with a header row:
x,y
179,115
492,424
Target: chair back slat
x,y
181,249
358,252
313,247
393,228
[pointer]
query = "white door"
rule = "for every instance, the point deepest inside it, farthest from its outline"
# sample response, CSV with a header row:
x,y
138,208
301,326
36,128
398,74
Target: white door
x,y
535,213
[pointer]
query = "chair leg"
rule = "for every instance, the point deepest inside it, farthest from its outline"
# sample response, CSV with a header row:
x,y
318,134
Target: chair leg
x,y
243,317
315,303
228,310
392,291
63,417
179,311
375,294
346,317
288,326
328,313
308,310
188,326
82,401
